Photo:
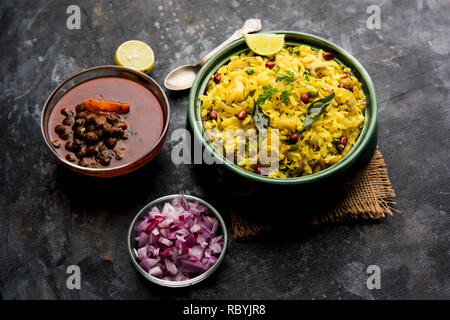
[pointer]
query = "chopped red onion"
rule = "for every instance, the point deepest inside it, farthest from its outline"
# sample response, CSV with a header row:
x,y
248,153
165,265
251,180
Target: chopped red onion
x,y
192,266
156,271
142,239
179,241
170,267
164,232
148,263
152,251
166,253
196,251
216,247
189,241
165,241
195,228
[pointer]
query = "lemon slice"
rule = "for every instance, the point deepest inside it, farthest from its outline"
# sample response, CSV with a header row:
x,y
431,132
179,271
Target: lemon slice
x,y
135,54
264,44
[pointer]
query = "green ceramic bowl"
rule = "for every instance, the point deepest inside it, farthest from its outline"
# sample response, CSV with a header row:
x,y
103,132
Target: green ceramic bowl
x,y
356,159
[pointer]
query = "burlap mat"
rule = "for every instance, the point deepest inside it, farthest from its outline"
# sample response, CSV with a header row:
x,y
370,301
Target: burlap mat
x,y
368,196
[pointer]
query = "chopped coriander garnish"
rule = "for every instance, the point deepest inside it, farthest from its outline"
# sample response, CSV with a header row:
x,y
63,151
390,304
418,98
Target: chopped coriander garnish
x,y
297,52
285,78
269,91
284,97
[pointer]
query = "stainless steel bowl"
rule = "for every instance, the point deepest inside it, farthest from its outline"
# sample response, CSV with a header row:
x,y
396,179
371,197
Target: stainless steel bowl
x,y
132,244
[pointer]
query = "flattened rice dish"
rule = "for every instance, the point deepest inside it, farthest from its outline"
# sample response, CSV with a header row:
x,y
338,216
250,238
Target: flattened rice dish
x,y
314,103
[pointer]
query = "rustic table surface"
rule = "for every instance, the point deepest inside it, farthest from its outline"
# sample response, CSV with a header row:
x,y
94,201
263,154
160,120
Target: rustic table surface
x,y
52,218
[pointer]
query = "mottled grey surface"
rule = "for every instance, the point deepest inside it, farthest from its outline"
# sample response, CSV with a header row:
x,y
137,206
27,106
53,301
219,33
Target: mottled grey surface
x,y
50,218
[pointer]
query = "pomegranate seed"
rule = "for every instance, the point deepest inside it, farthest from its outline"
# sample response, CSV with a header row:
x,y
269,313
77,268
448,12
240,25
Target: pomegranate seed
x,y
293,138
217,77
242,115
305,97
328,55
343,140
213,115
341,85
270,64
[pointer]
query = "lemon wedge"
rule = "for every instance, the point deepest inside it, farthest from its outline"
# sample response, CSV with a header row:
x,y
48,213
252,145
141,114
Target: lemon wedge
x,y
264,44
135,54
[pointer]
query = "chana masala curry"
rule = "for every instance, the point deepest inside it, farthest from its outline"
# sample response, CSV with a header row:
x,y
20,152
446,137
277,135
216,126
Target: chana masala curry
x,y
106,122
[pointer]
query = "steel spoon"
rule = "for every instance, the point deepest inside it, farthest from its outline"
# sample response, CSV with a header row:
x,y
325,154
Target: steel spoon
x,y
182,78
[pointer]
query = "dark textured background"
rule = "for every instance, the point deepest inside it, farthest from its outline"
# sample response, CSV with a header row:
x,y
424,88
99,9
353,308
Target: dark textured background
x,y
51,218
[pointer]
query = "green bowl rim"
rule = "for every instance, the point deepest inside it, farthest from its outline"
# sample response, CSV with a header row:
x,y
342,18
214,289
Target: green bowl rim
x,y
364,138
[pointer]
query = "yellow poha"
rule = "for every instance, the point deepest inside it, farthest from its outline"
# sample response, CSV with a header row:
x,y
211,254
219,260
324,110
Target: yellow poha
x,y
307,77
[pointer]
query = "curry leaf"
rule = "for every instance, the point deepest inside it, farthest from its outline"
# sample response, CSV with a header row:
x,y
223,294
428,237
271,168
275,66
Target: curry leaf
x,y
316,109
259,118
